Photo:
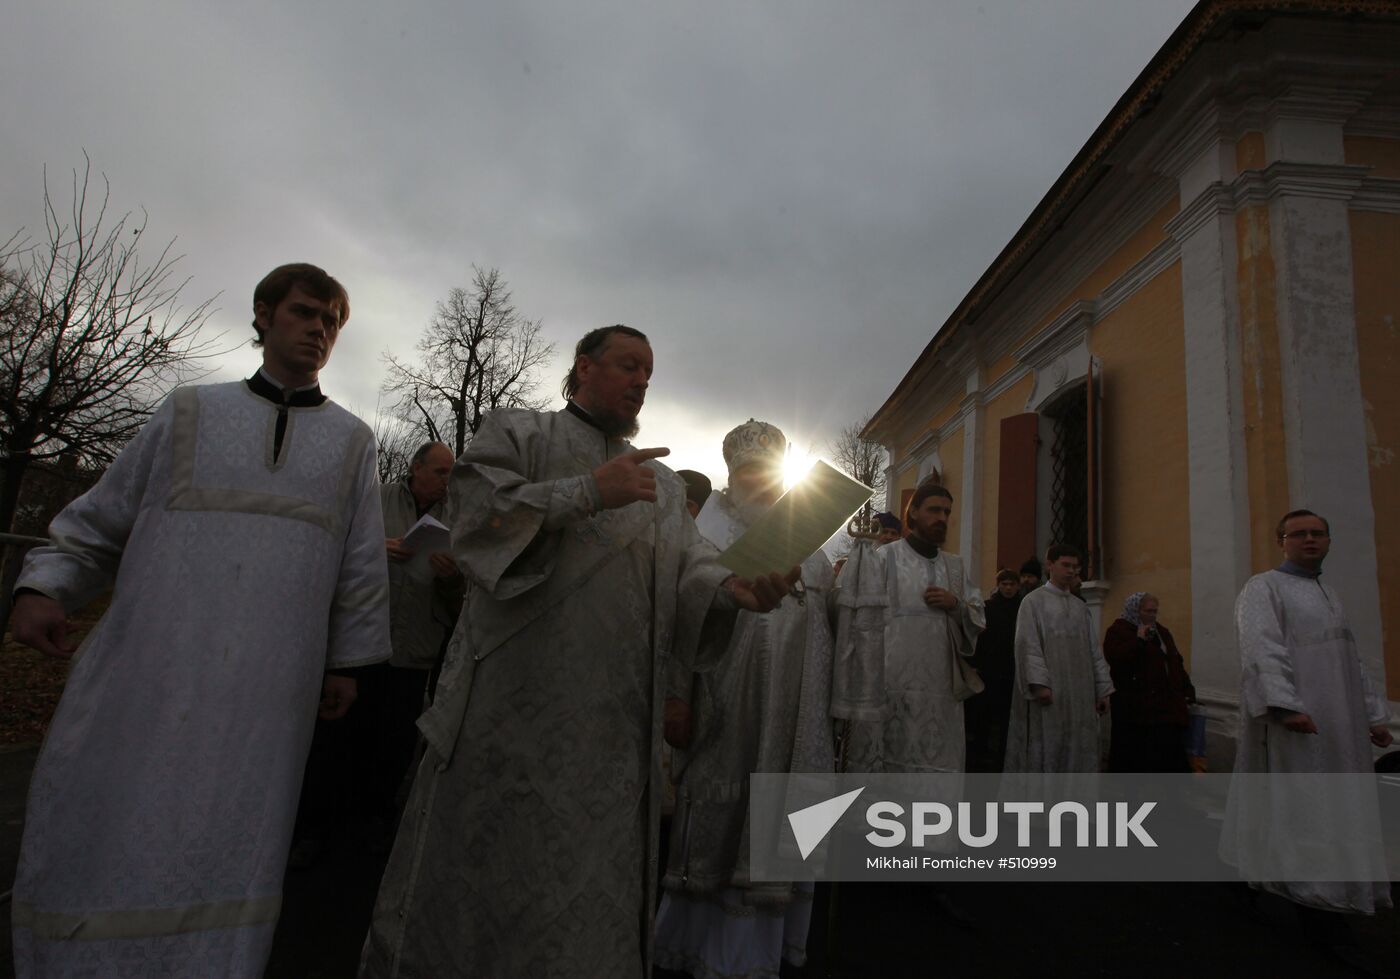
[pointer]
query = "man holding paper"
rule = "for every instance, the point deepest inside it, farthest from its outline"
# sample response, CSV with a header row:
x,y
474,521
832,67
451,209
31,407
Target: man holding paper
x,y
528,846
765,707
356,765
425,595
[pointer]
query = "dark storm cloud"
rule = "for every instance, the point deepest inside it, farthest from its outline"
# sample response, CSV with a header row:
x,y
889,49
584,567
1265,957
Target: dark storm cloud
x,y
790,197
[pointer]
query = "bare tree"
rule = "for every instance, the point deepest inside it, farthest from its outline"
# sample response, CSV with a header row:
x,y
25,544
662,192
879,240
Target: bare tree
x,y
476,354
397,439
860,459
91,337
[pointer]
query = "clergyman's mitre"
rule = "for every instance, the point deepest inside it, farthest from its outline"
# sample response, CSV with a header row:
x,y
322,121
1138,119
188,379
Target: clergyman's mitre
x,y
754,441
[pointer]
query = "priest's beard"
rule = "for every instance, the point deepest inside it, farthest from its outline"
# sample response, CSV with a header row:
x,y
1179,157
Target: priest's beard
x,y
615,424
748,508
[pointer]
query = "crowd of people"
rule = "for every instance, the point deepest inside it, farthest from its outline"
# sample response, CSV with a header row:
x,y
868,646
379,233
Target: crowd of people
x,y
526,685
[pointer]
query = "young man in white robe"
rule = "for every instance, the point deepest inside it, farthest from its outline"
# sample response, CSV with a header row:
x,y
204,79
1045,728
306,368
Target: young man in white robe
x,y
933,615
764,707
1306,706
1062,680
528,844
242,532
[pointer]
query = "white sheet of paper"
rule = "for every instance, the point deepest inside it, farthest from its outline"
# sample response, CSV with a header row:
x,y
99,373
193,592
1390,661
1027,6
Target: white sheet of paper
x,y
428,536
802,520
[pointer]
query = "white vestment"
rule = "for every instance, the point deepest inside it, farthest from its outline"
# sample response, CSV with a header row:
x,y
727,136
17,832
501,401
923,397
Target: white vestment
x,y
528,844
923,727
1297,655
764,708
161,807
1056,648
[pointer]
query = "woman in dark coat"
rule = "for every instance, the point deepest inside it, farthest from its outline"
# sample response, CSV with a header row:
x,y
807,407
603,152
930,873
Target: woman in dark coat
x,y
1151,691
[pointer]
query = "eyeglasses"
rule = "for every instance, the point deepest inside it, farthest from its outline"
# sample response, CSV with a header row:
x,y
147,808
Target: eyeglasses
x,y
1308,535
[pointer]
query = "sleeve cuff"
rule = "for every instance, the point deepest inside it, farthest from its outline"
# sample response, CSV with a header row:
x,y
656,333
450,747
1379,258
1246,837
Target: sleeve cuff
x,y
591,491
724,598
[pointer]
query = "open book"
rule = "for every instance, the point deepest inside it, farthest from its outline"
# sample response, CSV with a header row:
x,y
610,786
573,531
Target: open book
x,y
427,536
803,519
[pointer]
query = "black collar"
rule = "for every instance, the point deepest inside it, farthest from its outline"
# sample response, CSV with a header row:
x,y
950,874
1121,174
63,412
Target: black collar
x,y
580,414
305,398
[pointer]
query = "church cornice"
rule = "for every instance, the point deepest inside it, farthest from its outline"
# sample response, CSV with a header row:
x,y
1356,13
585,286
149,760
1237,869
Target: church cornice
x,y
1208,20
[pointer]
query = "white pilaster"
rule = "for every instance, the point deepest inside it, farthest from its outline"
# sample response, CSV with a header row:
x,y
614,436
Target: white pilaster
x,y
1217,472
970,506
1324,420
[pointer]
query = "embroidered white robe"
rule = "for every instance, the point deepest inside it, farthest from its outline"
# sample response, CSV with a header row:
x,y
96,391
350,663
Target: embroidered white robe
x,y
528,844
923,727
1056,648
161,806
1297,655
764,708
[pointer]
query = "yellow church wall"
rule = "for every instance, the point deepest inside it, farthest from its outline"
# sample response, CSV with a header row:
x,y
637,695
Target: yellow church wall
x,y
941,417
1383,155
951,452
1265,451
995,371
1135,249
946,413
1144,479
1010,402
906,481
1250,152
1375,240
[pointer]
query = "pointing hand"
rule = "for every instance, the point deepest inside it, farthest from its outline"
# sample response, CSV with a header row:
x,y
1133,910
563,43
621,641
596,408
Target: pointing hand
x,y
625,480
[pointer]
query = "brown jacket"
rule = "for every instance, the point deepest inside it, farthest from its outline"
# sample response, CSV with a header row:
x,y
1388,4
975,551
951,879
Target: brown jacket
x,y
1150,684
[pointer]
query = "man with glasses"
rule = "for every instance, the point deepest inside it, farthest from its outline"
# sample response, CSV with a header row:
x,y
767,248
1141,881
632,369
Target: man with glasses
x,y
1306,706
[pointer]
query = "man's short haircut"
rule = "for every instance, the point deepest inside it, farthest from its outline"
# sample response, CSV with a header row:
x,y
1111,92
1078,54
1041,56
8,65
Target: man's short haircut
x,y
924,492
1058,551
1006,574
275,286
1283,524
592,345
423,451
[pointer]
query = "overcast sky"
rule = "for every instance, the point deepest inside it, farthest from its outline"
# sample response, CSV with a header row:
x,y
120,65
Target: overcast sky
x,y
788,197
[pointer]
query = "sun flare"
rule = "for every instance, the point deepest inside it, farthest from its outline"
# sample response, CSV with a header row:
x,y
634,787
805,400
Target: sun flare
x,y
795,466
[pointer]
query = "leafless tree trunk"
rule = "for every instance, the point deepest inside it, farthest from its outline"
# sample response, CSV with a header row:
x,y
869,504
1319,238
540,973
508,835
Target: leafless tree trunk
x,y
476,354
91,337
860,459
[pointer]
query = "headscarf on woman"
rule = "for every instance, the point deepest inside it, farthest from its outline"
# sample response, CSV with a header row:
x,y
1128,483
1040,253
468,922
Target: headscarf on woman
x,y
1133,606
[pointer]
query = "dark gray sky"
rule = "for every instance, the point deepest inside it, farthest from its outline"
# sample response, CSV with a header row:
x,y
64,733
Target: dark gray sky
x,y
789,197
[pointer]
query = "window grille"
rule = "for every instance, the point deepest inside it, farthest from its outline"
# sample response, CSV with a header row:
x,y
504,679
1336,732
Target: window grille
x,y
1069,471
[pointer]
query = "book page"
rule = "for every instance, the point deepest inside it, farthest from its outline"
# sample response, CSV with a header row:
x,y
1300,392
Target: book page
x,y
795,527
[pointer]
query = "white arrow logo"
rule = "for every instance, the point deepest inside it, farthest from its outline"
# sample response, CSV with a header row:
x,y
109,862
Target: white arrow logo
x,y
811,825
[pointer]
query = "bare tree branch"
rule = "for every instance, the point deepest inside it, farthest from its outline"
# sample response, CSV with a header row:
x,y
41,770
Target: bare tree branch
x,y
92,336
476,354
860,459
397,439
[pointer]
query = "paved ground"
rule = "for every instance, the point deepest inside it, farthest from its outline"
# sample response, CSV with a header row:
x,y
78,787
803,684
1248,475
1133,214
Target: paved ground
x,y
1138,930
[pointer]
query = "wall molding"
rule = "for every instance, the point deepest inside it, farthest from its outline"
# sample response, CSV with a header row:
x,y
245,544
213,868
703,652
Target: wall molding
x,y
1377,194
1252,188
1038,354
